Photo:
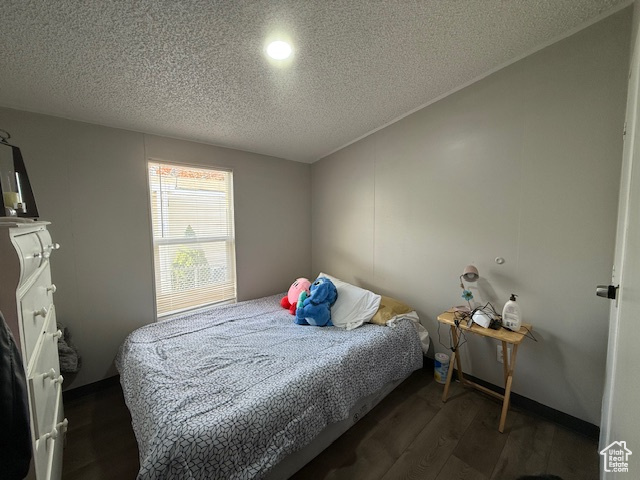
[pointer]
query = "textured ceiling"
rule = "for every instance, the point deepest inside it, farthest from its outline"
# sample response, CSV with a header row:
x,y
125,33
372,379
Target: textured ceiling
x,y
196,69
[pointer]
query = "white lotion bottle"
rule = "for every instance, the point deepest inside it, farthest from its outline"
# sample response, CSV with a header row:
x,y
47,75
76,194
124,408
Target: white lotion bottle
x,y
511,315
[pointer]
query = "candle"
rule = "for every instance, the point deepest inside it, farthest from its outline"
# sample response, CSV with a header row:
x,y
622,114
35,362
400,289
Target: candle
x,y
11,199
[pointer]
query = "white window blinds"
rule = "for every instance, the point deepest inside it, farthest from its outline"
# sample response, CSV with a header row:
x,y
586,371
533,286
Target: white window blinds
x,y
193,236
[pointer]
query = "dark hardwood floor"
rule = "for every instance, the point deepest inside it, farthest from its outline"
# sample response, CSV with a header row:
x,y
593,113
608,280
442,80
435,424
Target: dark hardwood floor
x,y
410,434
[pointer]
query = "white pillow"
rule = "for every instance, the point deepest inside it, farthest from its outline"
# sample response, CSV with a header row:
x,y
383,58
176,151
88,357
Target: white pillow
x,y
354,305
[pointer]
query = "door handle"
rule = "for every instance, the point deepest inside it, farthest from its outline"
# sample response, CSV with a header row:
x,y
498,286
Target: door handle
x,y
607,291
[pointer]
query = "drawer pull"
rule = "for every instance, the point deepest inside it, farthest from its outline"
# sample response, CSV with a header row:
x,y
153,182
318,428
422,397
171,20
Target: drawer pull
x,y
63,425
52,434
53,375
58,334
42,312
42,254
52,288
54,246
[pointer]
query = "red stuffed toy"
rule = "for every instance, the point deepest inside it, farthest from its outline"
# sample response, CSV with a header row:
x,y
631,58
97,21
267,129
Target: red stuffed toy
x,y
290,301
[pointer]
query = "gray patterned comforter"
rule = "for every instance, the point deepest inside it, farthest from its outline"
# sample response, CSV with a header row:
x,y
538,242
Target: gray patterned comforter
x,y
230,391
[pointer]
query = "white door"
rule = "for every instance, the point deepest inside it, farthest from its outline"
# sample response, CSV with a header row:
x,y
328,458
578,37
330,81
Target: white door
x,y
621,402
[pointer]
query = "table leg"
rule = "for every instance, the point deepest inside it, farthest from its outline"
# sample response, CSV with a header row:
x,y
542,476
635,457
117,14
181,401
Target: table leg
x,y
505,405
447,384
454,335
507,388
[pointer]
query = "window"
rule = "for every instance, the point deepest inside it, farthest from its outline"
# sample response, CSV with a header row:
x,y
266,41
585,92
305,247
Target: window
x,y
193,236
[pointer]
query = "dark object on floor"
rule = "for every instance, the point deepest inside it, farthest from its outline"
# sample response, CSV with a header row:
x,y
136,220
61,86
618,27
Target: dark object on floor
x,y
15,441
67,352
539,477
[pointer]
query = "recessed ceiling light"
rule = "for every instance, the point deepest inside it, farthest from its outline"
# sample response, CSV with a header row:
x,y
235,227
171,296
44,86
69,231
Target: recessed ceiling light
x,y
279,50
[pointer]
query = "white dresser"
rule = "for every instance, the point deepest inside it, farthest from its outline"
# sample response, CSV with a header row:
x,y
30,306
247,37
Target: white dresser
x,y
26,301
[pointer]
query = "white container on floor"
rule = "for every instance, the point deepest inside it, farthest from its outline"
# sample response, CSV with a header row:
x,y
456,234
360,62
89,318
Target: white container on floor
x,y
441,367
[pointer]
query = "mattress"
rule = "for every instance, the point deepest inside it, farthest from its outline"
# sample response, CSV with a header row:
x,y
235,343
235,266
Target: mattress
x,y
230,391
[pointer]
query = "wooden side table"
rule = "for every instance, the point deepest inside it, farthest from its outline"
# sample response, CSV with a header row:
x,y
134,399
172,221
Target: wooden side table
x,y
503,335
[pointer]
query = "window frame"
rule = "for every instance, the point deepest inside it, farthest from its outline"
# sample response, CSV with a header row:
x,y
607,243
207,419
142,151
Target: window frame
x,y
230,240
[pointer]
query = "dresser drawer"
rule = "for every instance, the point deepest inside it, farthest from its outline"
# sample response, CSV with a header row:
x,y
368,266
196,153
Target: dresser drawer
x,y
30,250
54,471
47,456
45,381
45,239
37,298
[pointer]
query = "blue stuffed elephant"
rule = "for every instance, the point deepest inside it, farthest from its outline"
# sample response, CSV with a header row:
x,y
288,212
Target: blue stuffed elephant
x,y
316,308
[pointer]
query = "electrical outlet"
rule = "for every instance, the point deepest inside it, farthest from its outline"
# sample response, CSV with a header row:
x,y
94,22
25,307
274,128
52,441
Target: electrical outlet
x,y
499,353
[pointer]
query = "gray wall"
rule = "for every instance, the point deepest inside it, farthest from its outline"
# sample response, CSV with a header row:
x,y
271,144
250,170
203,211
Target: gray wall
x,y
523,164
90,182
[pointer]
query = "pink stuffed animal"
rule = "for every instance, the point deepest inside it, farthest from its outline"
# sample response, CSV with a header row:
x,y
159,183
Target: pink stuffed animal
x,y
290,301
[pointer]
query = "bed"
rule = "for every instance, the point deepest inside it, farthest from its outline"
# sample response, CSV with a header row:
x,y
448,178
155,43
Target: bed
x,y
240,391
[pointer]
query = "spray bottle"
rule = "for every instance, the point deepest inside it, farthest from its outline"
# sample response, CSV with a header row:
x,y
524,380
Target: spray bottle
x,y
511,316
